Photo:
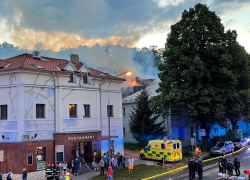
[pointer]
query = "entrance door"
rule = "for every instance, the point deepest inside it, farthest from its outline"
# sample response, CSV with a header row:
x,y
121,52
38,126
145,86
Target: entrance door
x,y
88,152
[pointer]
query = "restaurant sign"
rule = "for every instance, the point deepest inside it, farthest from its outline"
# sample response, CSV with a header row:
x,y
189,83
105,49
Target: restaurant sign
x,y
72,138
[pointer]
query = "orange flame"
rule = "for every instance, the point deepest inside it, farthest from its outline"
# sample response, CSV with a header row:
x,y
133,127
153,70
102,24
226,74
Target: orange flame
x,y
134,83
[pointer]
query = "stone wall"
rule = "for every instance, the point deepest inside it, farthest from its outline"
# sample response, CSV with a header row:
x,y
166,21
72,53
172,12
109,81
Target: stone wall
x,y
38,175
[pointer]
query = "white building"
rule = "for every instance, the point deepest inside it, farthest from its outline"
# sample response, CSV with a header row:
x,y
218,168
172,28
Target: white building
x,y
177,130
54,109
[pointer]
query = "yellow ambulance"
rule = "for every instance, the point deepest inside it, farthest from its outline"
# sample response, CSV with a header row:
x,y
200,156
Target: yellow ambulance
x,y
154,150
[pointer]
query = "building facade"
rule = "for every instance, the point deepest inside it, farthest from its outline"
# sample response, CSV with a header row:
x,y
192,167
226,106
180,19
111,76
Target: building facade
x,y
54,110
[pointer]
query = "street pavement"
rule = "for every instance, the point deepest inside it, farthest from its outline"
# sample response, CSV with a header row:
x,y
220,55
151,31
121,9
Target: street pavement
x,y
210,169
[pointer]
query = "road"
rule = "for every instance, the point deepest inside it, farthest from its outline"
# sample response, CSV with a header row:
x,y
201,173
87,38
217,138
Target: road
x,y
210,169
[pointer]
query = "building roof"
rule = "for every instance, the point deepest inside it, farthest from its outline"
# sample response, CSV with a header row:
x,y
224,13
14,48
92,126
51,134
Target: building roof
x,y
28,62
151,90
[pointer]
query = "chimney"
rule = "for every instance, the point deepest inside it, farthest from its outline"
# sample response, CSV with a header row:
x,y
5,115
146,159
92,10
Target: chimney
x,y
74,58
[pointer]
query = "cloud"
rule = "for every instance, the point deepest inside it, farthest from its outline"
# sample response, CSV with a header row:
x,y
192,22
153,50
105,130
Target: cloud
x,y
230,22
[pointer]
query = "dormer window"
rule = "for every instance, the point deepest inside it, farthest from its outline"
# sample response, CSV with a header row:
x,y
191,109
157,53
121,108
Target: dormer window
x,y
85,78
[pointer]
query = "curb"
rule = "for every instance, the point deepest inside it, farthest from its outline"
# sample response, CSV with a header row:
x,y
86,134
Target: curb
x,y
184,167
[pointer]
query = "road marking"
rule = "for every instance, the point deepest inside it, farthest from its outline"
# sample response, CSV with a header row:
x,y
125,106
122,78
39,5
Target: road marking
x,y
216,170
206,174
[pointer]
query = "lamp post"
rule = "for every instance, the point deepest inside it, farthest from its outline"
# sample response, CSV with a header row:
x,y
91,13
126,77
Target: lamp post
x,y
128,73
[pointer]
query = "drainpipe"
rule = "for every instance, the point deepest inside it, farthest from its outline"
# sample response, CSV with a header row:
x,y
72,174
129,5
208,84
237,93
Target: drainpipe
x,y
101,110
54,101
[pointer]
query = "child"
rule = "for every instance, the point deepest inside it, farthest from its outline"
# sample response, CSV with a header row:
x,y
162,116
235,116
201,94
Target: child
x,y
68,175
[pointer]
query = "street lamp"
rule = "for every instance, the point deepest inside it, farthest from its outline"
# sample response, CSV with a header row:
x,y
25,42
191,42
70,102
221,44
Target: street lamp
x,y
127,73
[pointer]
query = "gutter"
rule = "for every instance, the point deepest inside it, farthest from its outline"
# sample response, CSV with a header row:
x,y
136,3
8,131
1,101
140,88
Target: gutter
x,y
101,110
54,101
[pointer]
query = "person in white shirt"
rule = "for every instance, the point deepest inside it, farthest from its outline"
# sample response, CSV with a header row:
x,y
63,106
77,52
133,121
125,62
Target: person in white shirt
x,y
65,165
130,165
9,175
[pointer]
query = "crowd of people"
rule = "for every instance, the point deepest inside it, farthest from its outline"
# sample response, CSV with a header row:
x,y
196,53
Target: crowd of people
x,y
227,167
117,162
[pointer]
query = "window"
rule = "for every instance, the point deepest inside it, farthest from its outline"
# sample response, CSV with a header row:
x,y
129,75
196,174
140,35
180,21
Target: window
x,y
178,145
123,111
41,153
162,146
40,111
3,111
124,131
72,110
70,78
215,130
85,78
174,146
86,110
110,111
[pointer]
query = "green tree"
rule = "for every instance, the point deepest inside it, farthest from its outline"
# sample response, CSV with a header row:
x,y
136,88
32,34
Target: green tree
x,y
143,123
205,71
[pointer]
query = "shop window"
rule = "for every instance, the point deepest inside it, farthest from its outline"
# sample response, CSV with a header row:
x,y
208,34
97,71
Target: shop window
x,y
40,109
123,111
86,110
110,110
41,153
85,78
72,110
124,131
3,112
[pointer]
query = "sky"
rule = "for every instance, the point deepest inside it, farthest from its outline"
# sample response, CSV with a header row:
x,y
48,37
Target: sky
x,y
61,26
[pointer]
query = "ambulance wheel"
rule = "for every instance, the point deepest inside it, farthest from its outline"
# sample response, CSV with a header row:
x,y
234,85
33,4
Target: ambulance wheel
x,y
143,157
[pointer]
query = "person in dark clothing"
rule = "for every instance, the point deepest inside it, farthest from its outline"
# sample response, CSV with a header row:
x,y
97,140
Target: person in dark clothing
x,y
77,165
72,167
220,166
190,168
121,160
49,172
237,166
53,171
224,164
24,174
200,168
194,167
1,176
57,175
230,168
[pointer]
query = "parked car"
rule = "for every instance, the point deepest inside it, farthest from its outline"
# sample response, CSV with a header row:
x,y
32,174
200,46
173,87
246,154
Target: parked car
x,y
239,143
222,148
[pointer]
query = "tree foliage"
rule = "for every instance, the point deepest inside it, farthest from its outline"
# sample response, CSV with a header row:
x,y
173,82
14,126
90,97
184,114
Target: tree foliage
x,y
205,71
143,123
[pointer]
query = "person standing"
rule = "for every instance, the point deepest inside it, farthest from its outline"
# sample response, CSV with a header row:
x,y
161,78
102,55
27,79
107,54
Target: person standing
x,y
118,160
123,161
190,169
224,164
220,166
115,164
49,172
65,165
130,165
61,168
230,168
72,167
200,168
102,164
24,174
77,165
68,175
53,171
194,167
237,166
1,176
9,175
57,175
